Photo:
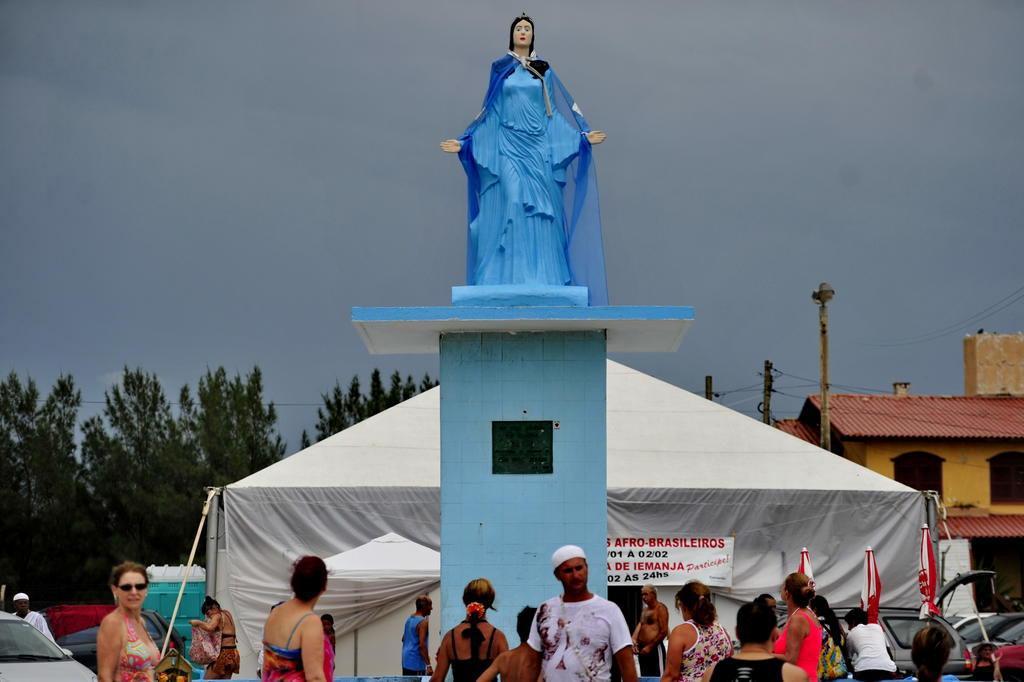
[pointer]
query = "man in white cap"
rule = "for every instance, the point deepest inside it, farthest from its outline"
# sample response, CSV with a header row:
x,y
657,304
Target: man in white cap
x,y
576,636
34,619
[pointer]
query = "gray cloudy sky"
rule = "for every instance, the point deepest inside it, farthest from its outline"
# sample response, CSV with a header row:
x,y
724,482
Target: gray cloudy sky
x,y
187,184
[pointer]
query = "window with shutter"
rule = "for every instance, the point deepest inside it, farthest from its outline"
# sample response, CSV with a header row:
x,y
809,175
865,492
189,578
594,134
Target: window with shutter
x,y
1006,477
919,470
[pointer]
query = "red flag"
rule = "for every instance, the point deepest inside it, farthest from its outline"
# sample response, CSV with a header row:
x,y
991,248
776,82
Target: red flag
x,y
805,566
926,576
871,592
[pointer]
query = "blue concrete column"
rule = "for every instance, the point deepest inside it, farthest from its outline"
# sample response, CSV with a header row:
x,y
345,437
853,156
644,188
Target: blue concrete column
x,y
504,527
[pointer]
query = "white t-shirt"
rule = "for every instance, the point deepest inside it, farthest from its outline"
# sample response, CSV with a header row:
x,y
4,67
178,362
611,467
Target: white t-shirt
x,y
37,621
578,639
866,644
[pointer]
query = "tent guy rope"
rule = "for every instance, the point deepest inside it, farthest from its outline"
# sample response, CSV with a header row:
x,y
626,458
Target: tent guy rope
x,y
210,494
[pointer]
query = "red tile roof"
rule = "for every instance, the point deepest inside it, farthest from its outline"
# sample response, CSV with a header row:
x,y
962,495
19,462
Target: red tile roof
x,y
990,526
795,427
890,416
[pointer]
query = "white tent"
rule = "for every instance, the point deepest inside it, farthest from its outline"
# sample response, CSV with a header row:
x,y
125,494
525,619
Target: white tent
x,y
677,463
389,557
376,578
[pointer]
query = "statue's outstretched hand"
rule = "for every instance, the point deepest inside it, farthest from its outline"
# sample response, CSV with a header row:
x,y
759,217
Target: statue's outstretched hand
x,y
596,136
451,146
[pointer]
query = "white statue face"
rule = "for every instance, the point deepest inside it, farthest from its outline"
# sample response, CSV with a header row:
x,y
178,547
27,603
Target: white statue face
x,y
522,34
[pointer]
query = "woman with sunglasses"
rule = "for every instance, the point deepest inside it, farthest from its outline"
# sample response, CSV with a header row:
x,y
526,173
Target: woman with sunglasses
x,y
124,650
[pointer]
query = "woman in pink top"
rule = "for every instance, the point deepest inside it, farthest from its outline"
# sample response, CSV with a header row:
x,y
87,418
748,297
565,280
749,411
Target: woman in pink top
x,y
800,640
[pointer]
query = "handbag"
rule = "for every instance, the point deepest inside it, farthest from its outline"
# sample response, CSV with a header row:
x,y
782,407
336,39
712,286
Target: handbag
x,y
205,646
831,664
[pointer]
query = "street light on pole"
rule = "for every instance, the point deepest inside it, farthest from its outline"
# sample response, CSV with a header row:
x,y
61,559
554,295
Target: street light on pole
x,y
822,296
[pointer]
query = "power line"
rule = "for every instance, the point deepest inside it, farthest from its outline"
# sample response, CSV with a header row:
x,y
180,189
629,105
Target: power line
x,y
790,395
720,394
741,401
862,389
797,376
849,387
743,389
1000,305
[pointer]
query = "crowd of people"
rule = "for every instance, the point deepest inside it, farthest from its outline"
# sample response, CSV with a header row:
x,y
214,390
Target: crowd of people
x,y
575,636
580,636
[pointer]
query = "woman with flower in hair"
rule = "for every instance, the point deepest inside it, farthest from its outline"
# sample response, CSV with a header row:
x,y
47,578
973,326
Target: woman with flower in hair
x,y
462,647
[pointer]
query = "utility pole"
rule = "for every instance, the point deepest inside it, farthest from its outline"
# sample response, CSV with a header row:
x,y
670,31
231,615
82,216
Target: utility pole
x,y
822,296
766,404
709,392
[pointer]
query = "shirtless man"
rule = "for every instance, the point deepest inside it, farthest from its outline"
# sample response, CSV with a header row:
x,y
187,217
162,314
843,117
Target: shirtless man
x,y
650,633
515,665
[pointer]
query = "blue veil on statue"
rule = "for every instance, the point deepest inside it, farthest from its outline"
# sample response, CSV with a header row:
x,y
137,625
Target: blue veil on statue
x,y
533,205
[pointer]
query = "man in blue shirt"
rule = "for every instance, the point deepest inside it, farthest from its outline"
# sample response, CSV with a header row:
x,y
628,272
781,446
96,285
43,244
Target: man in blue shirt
x,y
415,656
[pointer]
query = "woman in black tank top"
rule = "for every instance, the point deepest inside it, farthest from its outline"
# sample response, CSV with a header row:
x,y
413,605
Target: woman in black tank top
x,y
468,669
752,670
470,636
755,662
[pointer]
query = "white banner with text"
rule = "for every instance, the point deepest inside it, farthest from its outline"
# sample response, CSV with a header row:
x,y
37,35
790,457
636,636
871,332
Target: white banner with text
x,y
670,560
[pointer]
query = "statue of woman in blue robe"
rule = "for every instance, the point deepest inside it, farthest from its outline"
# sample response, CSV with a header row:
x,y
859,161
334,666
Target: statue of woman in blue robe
x,y
533,203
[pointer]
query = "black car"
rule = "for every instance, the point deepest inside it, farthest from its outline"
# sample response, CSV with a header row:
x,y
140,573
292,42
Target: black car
x,y
82,644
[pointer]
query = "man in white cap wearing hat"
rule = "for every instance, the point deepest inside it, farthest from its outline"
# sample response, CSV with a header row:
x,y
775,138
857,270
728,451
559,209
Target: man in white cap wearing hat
x,y
577,634
34,619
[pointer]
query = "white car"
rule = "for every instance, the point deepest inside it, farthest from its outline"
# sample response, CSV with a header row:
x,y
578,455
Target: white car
x,y
959,621
26,655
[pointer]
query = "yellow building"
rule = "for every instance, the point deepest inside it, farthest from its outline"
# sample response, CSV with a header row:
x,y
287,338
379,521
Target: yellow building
x,y
969,449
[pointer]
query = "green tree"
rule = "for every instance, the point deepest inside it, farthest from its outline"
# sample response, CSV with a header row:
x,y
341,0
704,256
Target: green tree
x,y
237,431
340,412
395,391
334,415
377,401
355,404
263,444
142,468
409,389
42,495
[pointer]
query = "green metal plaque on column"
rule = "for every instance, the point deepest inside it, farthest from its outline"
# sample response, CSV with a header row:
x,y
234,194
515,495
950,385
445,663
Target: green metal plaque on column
x,y
521,448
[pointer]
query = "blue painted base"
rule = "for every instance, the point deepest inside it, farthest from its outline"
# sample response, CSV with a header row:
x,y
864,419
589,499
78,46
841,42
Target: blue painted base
x,y
518,295
505,526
